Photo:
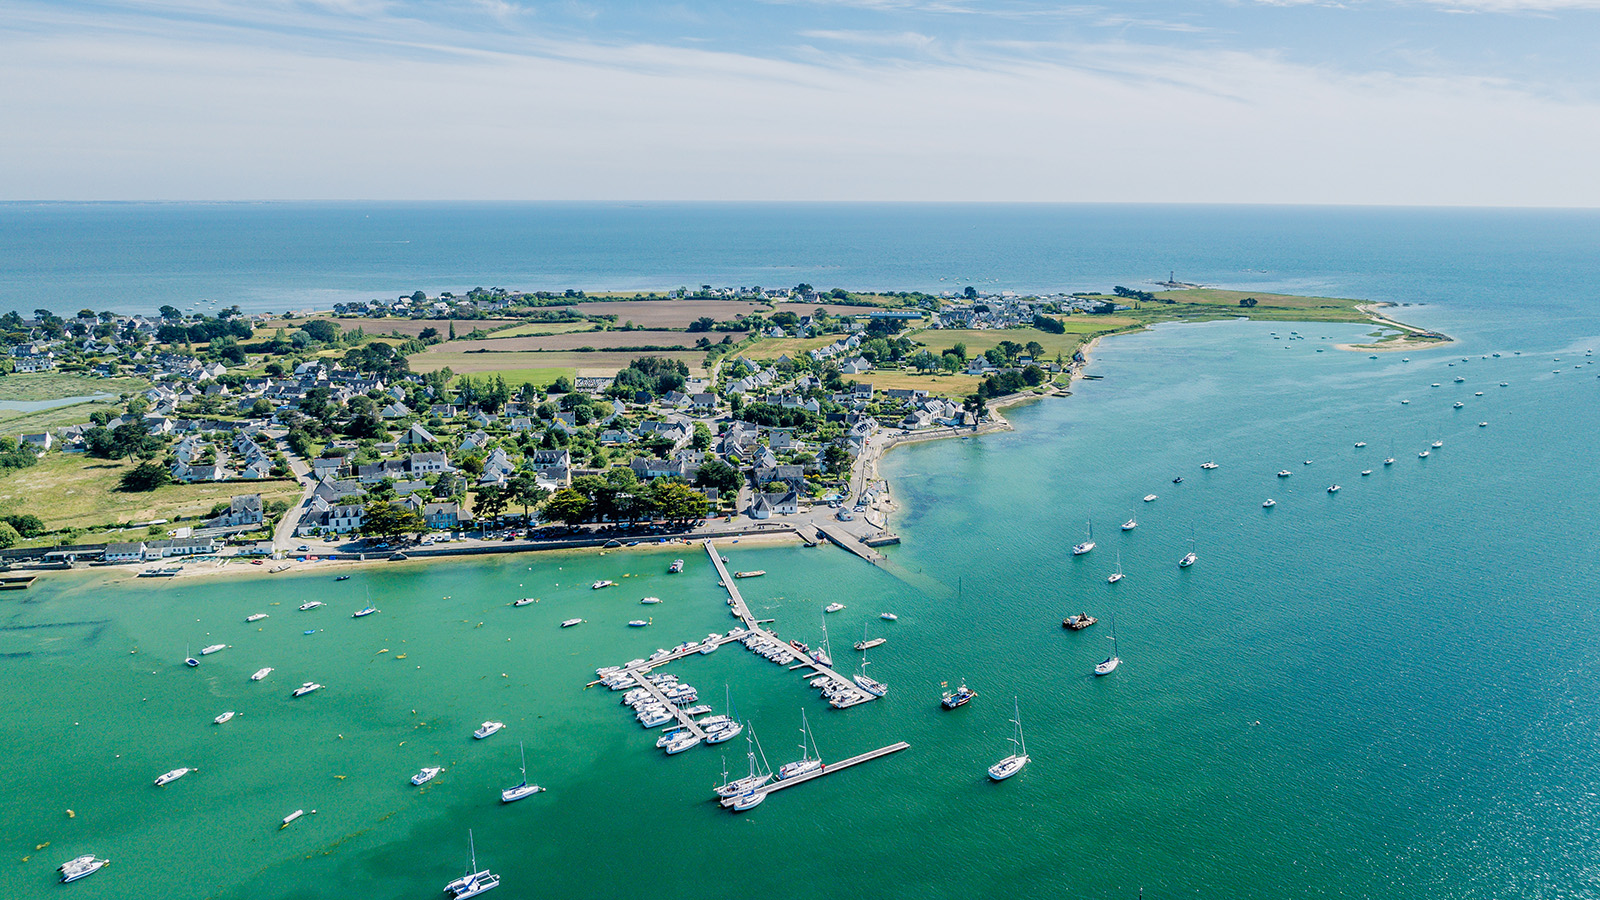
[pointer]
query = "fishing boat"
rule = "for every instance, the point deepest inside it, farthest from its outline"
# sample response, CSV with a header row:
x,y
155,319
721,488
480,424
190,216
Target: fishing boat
x,y
1088,543
1149,498
1269,503
602,584
888,617
1078,621
871,686
476,881
427,774
571,622
307,688
487,729
806,763
1208,465
755,574
676,567
255,618
311,604
1012,764
523,788
1284,473
638,623
833,607
82,867
169,777
868,645
261,673
1116,576
961,696
524,601
1111,662
650,601
224,717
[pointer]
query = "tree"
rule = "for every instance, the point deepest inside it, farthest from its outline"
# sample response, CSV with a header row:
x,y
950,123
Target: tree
x,y
26,524
562,385
836,458
146,476
524,491
677,502
702,437
322,331
971,293
489,501
567,505
925,361
704,323
387,520
717,474
262,408
8,536
1247,302
1048,324
1035,349
430,335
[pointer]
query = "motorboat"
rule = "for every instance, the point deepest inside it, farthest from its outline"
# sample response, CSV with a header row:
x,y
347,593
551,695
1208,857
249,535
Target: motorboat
x,y
1208,465
676,567
475,882
1078,621
1360,444
261,673
1437,444
1149,498
1459,379
571,622
224,717
1333,489
342,578
1483,424
1012,764
311,604
487,729
363,612
1458,404
1269,503
868,645
1088,543
961,696
650,601
755,574
255,618
1285,473
307,688
523,789
888,617
1422,455
427,774
1178,480
524,601
82,867
602,584
169,777
1365,472
833,607
1307,462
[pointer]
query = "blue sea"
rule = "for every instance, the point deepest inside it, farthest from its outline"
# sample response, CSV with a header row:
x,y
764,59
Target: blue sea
x,y
1388,691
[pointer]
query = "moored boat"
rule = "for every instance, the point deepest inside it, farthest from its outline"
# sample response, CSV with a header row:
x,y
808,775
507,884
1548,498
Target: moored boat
x,y
637,623
1269,503
213,648
307,688
367,611
167,778
754,574
602,584
868,645
833,607
261,673
961,696
522,789
310,604
82,867
524,601
427,774
888,617
224,717
487,729
676,567
571,622
1012,764
255,618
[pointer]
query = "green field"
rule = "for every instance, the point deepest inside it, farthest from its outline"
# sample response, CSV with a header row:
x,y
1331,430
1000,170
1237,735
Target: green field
x,y
81,492
954,386
536,328
14,421
55,385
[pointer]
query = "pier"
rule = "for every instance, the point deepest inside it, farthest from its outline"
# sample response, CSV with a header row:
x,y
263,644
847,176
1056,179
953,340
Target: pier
x,y
858,547
830,768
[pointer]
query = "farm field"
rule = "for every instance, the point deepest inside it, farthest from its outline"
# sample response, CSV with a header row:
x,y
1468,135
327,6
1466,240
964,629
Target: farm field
x,y
599,340
566,362
33,386
408,327
667,313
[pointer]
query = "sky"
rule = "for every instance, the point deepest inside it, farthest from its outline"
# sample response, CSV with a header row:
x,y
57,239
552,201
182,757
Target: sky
x,y
1386,102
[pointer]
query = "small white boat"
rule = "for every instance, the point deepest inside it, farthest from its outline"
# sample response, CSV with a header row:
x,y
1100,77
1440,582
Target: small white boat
x,y
307,688
1088,543
1269,503
1504,383
524,601
1116,576
1333,489
571,622
1208,465
746,801
833,607
1149,498
1388,461
1435,384
313,604
1308,462
1130,525
1365,472
82,867
1458,404
1012,764
487,729
190,661
755,574
255,618
1285,473
888,617
1478,394
1404,402
637,623
261,673
169,777
602,584
426,775
207,651
1483,424
363,612
650,601
1422,455
676,567
1361,443
224,717
868,645
1438,444
290,818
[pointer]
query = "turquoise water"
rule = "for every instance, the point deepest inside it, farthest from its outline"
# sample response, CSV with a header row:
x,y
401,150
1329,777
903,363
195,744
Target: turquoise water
x,y
1388,691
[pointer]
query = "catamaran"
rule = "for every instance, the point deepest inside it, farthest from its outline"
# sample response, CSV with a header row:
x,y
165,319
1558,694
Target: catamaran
x,y
1088,544
1012,764
82,867
523,789
805,763
476,881
1111,662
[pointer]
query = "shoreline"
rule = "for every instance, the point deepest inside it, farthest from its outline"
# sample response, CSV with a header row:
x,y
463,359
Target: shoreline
x,y
1411,337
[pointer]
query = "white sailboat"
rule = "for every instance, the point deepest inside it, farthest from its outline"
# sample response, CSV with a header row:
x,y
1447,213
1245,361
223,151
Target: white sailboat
x,y
759,774
524,789
1012,764
1111,662
806,763
1189,558
1088,544
822,653
1117,575
871,686
1132,523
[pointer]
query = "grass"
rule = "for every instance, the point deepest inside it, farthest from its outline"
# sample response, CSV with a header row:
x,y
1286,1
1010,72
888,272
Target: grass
x,y
81,492
15,421
772,348
600,340
538,328
408,327
55,385
1079,329
955,386
556,362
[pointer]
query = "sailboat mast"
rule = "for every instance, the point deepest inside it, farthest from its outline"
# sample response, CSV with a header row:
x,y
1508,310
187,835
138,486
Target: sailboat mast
x,y
1017,709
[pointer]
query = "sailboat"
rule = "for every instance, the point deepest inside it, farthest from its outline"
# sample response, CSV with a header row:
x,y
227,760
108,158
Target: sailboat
x,y
476,881
1088,544
1188,558
188,660
524,789
1117,575
1012,764
875,688
821,653
806,763
759,774
1131,524
1112,661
